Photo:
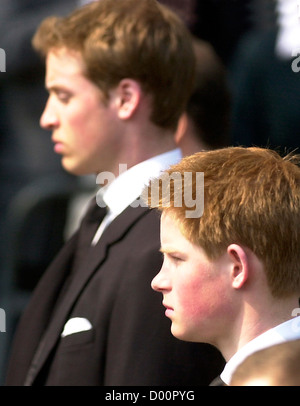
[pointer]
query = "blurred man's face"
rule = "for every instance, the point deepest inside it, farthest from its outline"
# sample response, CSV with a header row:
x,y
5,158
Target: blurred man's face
x,y
83,125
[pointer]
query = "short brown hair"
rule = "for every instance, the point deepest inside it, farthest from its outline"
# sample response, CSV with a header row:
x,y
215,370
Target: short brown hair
x,y
137,39
251,198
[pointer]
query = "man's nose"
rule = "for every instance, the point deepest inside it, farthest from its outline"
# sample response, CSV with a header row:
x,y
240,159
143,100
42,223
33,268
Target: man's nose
x,y
161,282
49,119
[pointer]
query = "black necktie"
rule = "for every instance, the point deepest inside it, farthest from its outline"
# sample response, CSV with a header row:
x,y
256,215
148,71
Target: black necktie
x,y
88,227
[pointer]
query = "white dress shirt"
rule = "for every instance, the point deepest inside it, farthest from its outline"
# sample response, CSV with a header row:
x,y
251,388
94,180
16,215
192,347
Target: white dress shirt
x,y
128,186
287,331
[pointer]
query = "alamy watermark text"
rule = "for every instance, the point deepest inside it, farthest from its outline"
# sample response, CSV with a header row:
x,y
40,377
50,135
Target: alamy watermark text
x,y
2,321
2,60
159,192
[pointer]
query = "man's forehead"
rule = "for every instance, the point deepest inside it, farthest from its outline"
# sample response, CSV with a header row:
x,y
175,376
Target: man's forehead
x,y
62,63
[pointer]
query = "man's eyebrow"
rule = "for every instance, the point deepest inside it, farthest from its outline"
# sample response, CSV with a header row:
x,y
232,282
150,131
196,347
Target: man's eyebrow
x,y
173,252
57,88
168,250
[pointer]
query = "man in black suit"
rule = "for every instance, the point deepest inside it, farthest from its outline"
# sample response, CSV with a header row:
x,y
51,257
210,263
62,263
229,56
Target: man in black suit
x,y
118,74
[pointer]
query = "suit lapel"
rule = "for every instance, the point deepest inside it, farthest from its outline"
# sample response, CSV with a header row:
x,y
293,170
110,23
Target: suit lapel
x,y
96,256
114,232
38,312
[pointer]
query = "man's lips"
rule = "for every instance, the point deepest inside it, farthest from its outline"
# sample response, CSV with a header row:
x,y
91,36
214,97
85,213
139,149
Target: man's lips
x,y
58,146
169,310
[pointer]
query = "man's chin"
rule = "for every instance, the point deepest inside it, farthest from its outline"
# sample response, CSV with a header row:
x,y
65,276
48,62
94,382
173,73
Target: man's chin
x,y
74,169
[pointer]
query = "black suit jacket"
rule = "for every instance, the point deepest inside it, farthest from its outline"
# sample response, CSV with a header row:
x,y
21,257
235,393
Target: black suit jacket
x,y
130,341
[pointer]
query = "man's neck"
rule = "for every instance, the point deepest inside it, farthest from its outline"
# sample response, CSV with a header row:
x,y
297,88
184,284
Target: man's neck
x,y
283,332
254,322
143,146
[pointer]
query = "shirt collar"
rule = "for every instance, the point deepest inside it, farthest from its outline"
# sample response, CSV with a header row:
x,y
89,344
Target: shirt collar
x,y
287,331
128,186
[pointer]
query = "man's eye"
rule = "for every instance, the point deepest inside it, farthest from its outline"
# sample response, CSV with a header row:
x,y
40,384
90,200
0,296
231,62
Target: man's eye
x,y
176,258
63,97
173,258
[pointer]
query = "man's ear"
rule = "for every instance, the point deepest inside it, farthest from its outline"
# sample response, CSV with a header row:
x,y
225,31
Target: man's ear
x,y
181,127
239,265
129,95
